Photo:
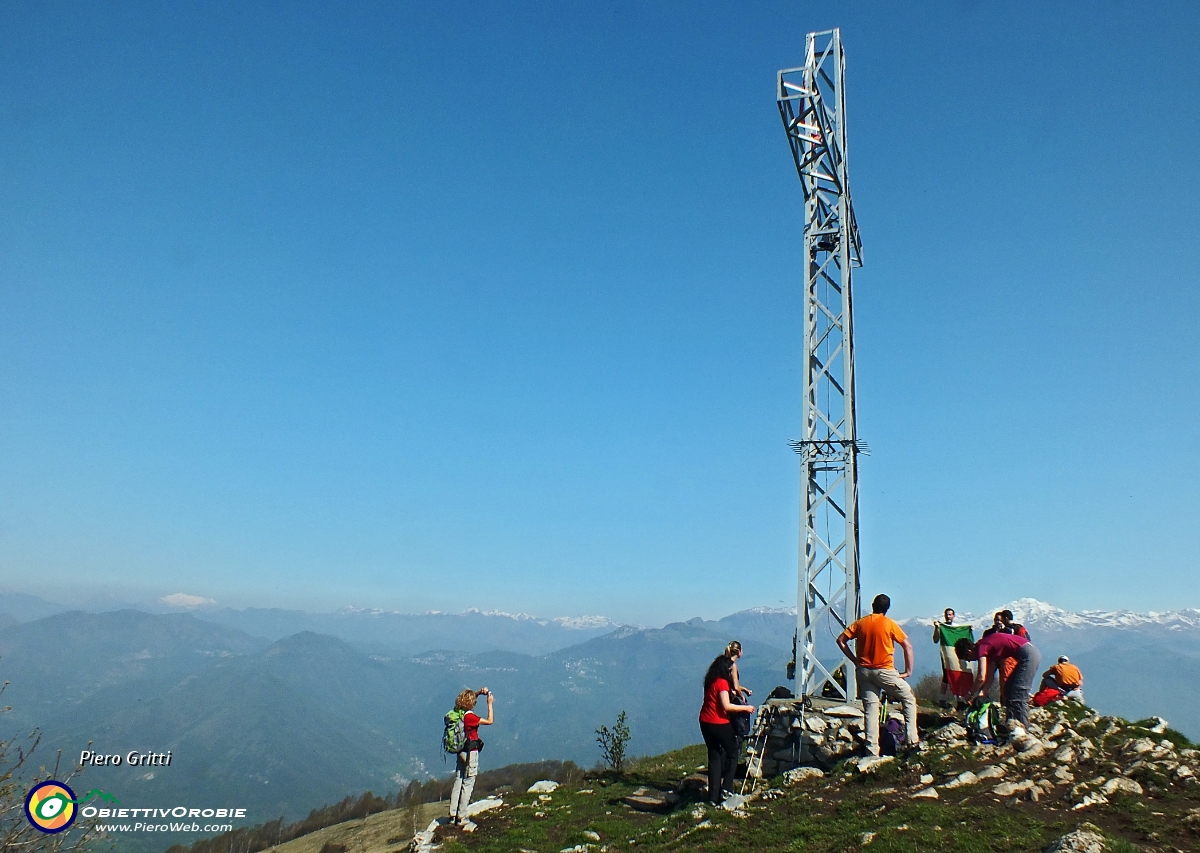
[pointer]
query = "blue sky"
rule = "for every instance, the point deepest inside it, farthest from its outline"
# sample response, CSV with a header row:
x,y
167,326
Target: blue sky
x,y
448,305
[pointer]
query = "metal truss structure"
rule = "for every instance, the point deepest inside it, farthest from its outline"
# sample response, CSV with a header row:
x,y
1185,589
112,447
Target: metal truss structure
x,y
812,103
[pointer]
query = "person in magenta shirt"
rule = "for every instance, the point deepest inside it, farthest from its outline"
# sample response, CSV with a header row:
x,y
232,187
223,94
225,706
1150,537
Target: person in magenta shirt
x,y
992,652
717,730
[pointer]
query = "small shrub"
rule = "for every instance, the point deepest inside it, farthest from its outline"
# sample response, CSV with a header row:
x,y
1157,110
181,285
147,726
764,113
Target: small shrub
x,y
613,742
333,847
929,687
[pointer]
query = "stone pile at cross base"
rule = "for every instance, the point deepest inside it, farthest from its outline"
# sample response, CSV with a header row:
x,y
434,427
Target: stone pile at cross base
x,y
792,733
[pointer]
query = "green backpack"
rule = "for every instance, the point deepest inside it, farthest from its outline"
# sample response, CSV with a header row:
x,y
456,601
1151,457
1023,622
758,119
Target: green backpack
x,y
982,722
454,738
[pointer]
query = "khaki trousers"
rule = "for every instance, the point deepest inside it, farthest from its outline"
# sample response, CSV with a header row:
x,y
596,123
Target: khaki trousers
x,y
464,783
872,682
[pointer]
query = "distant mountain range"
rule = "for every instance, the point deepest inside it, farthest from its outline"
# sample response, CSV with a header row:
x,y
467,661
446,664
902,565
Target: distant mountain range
x,y
282,711
282,727
382,631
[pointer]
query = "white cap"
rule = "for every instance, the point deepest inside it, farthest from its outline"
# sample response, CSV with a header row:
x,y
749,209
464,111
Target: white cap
x,y
1063,659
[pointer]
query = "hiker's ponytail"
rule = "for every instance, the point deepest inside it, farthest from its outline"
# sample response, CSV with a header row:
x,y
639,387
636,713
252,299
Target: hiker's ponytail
x,y
733,649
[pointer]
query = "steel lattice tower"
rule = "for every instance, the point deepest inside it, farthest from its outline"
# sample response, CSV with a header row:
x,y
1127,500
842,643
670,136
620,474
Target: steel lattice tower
x,y
812,103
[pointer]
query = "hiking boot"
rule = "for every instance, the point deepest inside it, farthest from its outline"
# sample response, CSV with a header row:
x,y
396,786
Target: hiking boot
x,y
911,749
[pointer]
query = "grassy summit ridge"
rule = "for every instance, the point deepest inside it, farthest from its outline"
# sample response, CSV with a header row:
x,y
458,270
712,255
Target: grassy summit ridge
x,y
1136,782
817,815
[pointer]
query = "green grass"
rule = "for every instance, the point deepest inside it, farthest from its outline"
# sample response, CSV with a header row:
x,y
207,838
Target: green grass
x,y
817,816
835,813
1178,738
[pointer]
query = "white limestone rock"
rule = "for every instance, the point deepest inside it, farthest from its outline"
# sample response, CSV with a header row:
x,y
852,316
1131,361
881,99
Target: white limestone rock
x,y
1031,750
1011,789
844,711
794,777
1121,784
1065,754
872,762
1139,746
1090,800
961,780
952,731
1086,839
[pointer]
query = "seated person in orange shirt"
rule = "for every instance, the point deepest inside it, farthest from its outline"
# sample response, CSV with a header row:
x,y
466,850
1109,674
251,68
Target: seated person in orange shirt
x,y
874,638
1066,677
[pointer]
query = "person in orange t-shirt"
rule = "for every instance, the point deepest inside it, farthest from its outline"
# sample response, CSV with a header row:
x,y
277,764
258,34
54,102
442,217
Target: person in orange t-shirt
x,y
1065,676
875,638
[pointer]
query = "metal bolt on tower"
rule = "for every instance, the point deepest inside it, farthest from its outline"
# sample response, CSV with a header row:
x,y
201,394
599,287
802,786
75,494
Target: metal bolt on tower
x,y
812,103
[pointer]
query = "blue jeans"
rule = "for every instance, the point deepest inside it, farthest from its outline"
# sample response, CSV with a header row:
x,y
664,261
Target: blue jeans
x,y
1018,687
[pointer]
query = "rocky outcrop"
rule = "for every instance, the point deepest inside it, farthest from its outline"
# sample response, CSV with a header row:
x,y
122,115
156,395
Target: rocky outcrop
x,y
1068,758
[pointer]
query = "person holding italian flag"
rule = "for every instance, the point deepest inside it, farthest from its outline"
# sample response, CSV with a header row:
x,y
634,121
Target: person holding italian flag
x,y
957,675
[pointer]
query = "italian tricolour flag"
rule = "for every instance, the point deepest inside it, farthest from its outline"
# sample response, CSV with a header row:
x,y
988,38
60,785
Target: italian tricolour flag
x,y
960,674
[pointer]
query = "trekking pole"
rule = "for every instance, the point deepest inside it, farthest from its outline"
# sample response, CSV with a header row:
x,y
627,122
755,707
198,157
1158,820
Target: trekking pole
x,y
760,731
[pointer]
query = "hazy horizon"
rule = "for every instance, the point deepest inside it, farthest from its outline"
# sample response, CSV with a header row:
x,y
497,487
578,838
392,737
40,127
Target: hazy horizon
x,y
419,307
163,604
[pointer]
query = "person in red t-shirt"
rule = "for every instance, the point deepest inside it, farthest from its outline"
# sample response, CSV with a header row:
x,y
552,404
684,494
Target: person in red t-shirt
x,y
467,765
716,728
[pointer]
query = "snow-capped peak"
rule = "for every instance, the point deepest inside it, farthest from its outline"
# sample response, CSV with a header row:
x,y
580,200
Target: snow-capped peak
x,y
519,617
1032,612
769,611
581,623
575,623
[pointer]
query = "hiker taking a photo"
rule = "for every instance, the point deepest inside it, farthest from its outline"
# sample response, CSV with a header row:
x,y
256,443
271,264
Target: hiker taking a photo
x,y
717,728
875,637
461,738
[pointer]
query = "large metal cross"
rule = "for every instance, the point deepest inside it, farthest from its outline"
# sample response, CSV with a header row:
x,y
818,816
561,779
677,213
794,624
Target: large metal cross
x,y
812,104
